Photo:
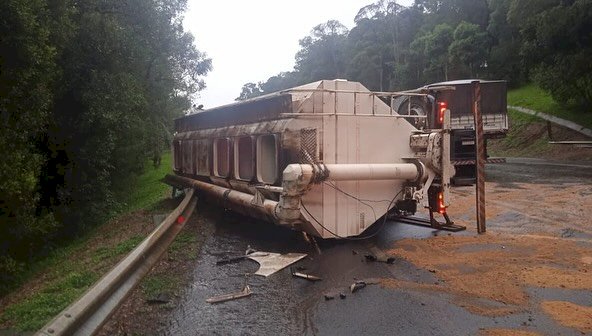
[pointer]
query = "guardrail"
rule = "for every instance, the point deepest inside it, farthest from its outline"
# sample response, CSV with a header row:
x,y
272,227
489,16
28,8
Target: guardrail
x,y
91,311
561,122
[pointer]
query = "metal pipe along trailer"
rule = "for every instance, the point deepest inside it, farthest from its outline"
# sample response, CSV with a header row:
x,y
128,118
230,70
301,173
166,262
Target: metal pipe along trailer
x,y
329,158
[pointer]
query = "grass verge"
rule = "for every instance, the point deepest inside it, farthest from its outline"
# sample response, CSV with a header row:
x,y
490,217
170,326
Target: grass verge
x,y
535,98
526,137
149,190
53,283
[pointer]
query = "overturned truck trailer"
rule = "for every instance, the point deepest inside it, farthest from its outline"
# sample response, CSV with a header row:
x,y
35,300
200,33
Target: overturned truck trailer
x,y
329,158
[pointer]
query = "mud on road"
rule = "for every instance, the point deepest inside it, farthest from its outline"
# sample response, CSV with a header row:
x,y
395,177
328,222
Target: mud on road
x,y
531,274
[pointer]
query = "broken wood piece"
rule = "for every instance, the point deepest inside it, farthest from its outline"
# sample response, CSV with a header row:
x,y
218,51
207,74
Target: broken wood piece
x,y
246,291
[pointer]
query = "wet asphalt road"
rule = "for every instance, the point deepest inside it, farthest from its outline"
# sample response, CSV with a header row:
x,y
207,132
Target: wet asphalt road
x,y
281,304
524,170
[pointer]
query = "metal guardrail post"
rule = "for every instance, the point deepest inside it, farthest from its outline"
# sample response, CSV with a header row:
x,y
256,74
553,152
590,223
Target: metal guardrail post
x,y
480,156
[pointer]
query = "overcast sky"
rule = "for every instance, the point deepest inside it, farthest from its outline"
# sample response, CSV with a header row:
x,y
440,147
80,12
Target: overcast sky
x,y
250,41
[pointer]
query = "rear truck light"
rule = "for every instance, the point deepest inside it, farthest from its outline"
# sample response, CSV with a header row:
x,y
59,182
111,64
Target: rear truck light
x,y
441,206
442,106
436,201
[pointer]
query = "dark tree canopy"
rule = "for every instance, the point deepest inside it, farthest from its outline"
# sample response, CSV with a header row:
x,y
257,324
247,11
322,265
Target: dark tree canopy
x,y
88,91
394,47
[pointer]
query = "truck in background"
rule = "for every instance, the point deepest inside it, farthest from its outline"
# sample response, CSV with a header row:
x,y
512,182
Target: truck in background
x,y
457,96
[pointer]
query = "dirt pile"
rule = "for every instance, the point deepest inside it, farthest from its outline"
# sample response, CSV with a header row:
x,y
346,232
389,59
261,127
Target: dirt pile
x,y
524,207
569,314
507,332
488,274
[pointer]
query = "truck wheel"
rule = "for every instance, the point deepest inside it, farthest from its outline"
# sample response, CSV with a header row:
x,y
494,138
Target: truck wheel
x,y
417,108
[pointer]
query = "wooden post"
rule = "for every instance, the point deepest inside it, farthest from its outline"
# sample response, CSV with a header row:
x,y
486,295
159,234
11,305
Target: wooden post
x,y
480,158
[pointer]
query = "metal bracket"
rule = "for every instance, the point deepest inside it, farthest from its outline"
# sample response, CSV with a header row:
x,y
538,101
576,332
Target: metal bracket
x,y
258,198
431,222
422,194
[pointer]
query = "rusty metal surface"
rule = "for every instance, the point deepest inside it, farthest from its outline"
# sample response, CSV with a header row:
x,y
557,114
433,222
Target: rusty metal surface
x,y
480,155
228,198
263,127
308,146
255,110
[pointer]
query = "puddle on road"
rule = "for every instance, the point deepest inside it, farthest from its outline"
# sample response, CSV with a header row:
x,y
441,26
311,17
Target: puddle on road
x,y
272,297
280,303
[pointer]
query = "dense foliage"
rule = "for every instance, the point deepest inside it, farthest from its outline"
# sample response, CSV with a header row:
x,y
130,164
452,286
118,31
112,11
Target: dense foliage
x,y
88,91
393,47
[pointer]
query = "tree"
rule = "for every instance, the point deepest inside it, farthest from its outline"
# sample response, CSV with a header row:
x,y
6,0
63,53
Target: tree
x,y
435,46
557,46
452,12
27,72
128,70
397,47
369,52
321,53
504,60
281,81
468,50
378,46
249,90
88,91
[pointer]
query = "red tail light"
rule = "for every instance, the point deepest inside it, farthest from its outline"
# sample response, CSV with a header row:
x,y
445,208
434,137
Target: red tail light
x,y
441,206
442,106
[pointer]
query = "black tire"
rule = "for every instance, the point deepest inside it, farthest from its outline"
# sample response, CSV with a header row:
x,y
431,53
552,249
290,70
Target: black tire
x,y
418,107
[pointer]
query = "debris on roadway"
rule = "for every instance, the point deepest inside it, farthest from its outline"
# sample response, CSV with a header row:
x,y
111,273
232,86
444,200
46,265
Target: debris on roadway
x,y
373,258
301,275
246,291
270,263
357,286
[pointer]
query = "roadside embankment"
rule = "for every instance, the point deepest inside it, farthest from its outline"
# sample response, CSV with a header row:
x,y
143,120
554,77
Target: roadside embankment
x,y
60,279
529,135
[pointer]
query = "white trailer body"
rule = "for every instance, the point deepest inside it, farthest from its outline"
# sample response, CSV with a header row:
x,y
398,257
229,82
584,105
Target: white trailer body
x,y
329,158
